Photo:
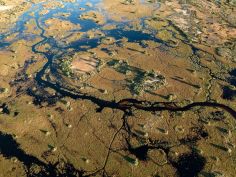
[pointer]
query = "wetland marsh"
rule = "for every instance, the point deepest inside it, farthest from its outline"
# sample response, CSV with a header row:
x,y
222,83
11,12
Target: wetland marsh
x,y
118,88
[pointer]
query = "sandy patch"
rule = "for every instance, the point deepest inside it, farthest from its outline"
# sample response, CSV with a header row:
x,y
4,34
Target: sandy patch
x,y
84,64
3,8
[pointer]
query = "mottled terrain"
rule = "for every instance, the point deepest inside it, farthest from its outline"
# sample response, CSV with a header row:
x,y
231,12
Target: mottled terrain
x,y
118,88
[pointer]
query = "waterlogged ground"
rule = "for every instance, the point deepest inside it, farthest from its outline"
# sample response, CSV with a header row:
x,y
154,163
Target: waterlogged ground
x,y
118,88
